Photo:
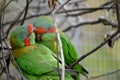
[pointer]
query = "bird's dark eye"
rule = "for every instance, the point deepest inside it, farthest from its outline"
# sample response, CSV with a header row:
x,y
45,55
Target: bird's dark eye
x,y
38,37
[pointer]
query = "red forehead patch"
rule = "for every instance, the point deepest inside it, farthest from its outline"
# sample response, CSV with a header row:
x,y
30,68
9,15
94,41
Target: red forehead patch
x,y
27,41
51,30
30,28
40,30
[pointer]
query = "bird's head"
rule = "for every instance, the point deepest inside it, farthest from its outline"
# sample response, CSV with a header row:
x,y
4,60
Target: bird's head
x,y
43,25
22,36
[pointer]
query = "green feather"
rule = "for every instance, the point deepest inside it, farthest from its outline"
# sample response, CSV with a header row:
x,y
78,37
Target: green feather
x,y
35,61
71,53
16,39
41,21
48,39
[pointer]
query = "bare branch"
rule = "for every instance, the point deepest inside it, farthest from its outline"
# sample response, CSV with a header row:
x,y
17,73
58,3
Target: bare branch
x,y
1,38
26,10
62,5
95,49
15,21
59,43
116,2
89,11
91,22
106,74
61,49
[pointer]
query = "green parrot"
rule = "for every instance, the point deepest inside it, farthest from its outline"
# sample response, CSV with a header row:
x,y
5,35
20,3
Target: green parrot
x,y
35,60
45,34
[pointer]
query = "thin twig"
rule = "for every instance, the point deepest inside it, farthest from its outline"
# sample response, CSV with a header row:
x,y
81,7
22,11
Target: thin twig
x,y
116,2
59,40
62,6
27,18
59,12
7,5
95,49
14,22
89,11
13,60
3,59
26,11
92,22
106,74
1,39
5,48
86,9
61,49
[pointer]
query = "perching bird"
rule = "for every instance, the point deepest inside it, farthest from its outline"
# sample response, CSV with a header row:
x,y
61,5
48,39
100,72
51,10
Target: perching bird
x,y
35,61
45,34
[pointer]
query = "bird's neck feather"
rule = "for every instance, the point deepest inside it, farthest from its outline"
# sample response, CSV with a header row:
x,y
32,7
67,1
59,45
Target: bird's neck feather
x,y
20,51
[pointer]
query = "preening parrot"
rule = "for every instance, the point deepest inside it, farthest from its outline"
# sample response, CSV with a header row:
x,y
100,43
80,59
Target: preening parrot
x,y
35,61
45,34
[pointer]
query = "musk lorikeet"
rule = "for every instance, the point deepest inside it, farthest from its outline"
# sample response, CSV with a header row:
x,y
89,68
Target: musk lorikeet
x,y
35,61
45,34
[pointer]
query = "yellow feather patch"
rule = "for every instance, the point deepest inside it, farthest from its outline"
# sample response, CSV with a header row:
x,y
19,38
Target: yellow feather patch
x,y
20,51
55,46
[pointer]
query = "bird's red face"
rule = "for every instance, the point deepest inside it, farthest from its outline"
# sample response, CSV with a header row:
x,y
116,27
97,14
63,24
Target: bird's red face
x,y
40,31
44,30
27,39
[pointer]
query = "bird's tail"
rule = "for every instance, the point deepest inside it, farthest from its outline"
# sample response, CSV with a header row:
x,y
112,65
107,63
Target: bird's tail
x,y
76,77
81,69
